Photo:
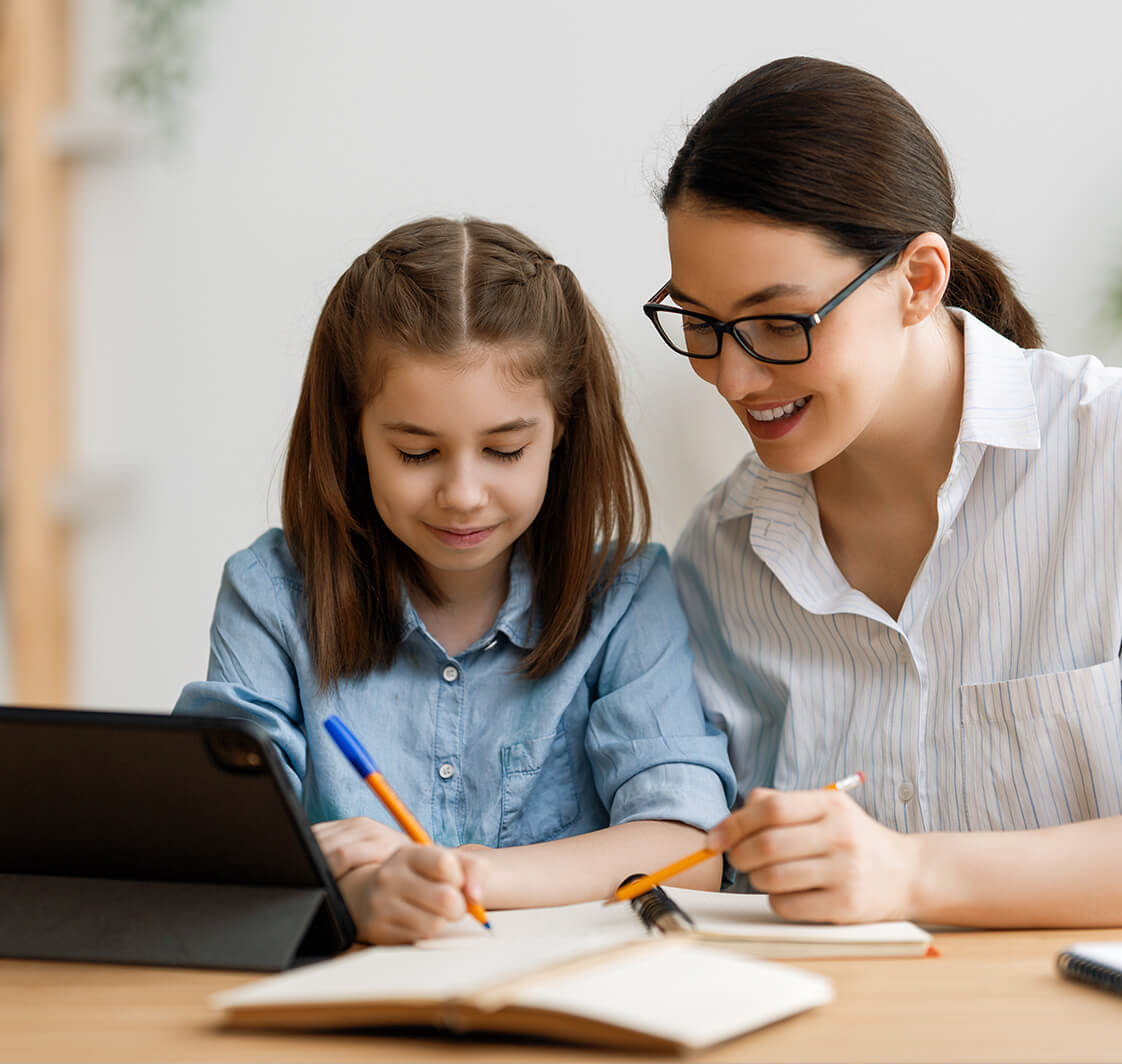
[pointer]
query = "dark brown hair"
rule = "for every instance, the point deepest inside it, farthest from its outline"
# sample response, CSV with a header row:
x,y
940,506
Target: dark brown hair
x,y
441,286
818,144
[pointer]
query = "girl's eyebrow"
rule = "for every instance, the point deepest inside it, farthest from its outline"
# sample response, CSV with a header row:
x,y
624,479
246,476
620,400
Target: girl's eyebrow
x,y
773,291
416,430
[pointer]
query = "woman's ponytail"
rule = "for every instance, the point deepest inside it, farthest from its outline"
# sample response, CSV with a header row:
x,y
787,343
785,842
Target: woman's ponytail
x,y
980,285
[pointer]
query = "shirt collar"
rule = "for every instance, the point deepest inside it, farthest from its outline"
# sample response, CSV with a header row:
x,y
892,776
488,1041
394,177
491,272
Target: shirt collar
x,y
515,619
998,410
998,404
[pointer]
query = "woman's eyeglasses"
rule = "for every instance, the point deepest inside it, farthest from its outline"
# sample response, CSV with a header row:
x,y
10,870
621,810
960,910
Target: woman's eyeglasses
x,y
778,339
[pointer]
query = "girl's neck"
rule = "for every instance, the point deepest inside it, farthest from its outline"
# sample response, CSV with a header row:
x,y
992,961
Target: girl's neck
x,y
906,456
471,602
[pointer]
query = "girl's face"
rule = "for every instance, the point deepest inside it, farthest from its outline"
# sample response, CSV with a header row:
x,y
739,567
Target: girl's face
x,y
728,265
458,455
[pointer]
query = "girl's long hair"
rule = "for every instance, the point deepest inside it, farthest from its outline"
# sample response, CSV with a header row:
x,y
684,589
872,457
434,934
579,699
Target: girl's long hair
x,y
818,144
441,286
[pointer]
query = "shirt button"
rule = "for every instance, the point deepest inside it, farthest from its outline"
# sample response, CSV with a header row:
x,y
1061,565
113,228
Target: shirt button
x,y
905,792
451,673
446,771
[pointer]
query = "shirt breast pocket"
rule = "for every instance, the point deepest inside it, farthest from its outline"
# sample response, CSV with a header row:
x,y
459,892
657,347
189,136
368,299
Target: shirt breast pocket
x,y
539,800
1042,750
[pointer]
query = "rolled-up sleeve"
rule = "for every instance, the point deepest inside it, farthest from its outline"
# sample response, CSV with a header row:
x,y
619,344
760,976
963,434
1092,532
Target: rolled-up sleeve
x,y
251,672
654,755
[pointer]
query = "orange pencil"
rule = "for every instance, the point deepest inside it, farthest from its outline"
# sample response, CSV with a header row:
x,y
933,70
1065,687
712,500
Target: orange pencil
x,y
364,765
641,886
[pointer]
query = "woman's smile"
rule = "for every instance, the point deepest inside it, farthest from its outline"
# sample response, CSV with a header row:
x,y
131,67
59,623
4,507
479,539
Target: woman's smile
x,y
774,422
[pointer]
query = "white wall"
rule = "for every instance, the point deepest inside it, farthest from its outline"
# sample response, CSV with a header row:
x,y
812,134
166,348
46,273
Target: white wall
x,y
314,128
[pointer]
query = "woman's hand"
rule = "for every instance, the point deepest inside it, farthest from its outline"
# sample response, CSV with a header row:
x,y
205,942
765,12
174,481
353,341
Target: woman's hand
x,y
820,857
358,840
413,893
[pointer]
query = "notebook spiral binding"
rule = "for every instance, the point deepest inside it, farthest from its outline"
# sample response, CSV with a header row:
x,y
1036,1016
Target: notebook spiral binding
x,y
1085,970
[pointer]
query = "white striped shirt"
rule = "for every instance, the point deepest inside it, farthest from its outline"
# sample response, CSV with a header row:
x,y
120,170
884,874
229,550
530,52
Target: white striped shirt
x,y
995,700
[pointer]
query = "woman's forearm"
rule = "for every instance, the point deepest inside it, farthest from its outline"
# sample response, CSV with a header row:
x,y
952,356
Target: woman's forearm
x,y
1065,876
589,867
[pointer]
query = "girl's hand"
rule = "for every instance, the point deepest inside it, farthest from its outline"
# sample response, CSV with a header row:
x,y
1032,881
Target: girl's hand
x,y
413,893
820,857
358,840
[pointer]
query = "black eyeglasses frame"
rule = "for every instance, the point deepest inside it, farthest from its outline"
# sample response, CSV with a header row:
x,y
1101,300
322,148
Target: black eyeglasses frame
x,y
654,306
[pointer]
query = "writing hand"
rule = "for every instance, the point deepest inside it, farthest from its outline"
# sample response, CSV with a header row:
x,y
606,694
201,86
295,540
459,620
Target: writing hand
x,y
413,893
354,841
819,856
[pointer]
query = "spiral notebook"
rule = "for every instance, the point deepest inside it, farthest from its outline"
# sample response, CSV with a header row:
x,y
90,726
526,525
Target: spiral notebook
x,y
1096,963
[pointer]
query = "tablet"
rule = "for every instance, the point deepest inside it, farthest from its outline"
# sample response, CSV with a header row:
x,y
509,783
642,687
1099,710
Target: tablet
x,y
185,821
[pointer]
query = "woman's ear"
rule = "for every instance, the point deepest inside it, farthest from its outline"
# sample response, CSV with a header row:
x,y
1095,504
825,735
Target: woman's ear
x,y
558,432
925,265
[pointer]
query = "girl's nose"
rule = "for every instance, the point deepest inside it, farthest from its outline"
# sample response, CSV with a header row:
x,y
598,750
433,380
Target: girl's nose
x,y
463,490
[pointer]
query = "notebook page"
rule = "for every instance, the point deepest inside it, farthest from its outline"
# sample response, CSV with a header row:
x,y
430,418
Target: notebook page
x,y
680,991
750,916
405,973
590,918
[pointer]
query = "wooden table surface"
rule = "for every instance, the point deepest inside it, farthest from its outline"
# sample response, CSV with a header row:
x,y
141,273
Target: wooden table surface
x,y
989,996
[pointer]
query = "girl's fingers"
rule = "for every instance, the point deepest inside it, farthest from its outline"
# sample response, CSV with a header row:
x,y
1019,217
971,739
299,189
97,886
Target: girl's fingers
x,y
475,871
346,844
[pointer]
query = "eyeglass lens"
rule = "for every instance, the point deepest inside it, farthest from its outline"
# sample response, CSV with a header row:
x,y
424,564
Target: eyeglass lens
x,y
777,339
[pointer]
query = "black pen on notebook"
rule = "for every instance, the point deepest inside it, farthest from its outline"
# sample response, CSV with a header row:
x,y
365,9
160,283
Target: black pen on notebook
x,y
628,890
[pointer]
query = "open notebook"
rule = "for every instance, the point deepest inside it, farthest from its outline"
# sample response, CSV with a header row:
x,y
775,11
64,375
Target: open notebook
x,y
664,994
590,973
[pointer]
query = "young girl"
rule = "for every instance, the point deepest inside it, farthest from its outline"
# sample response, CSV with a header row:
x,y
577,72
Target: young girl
x,y
918,571
455,580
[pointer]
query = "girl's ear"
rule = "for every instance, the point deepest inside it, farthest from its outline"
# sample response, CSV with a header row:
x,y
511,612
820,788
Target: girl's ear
x,y
558,432
925,265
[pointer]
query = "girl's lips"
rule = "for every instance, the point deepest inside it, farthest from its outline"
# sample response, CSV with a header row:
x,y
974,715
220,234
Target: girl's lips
x,y
468,537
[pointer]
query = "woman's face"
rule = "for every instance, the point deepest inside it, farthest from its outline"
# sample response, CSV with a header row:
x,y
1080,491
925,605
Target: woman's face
x,y
727,265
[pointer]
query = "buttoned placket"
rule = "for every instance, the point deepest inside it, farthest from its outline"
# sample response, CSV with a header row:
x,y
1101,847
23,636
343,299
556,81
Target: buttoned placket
x,y
448,792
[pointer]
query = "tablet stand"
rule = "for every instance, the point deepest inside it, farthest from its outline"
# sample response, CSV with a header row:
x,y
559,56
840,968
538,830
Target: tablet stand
x,y
126,921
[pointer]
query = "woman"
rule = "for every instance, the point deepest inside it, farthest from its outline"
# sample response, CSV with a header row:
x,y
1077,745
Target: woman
x,y
916,573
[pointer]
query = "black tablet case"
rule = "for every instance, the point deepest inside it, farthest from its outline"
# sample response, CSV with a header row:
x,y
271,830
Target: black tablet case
x,y
153,839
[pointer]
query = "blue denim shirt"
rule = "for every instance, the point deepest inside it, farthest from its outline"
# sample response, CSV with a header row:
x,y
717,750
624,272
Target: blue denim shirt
x,y
478,752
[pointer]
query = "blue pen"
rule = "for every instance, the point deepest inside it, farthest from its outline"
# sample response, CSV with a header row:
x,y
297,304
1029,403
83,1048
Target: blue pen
x,y
363,763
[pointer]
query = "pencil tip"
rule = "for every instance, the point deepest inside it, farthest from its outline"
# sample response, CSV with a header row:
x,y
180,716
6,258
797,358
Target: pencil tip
x,y
487,924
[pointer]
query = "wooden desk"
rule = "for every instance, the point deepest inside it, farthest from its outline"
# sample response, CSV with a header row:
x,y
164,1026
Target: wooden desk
x,y
990,996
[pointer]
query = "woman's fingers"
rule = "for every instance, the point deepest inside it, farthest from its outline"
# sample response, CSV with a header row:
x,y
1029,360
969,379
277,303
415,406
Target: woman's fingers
x,y
765,808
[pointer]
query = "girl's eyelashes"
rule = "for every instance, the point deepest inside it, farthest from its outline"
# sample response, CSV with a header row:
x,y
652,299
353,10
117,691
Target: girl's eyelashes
x,y
409,458
507,456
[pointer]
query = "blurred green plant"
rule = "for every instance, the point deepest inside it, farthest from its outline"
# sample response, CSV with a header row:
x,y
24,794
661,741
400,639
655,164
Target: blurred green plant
x,y
156,65
1114,301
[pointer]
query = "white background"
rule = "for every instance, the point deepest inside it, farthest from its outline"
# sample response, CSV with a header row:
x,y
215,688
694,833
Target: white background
x,y
313,128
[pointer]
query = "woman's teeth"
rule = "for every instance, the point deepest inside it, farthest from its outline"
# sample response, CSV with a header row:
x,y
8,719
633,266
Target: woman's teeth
x,y
778,411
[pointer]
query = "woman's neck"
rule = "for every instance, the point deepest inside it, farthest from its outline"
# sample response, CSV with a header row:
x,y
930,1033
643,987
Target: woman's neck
x,y
905,455
878,500
471,602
